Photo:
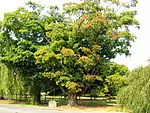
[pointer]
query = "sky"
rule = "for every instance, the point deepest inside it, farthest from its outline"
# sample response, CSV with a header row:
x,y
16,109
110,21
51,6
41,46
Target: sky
x,y
140,48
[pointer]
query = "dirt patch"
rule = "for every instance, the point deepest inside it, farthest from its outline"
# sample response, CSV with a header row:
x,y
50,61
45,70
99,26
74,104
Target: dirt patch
x,y
113,108
11,102
6,101
81,108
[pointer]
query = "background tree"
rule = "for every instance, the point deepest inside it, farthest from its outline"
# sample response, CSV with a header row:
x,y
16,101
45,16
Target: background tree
x,y
114,83
135,96
3,77
22,31
114,77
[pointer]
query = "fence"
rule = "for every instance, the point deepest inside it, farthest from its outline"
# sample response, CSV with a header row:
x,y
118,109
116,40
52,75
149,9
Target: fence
x,y
62,100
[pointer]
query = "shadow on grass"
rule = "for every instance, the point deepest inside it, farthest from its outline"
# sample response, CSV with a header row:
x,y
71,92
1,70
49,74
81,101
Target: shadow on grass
x,y
19,102
88,102
63,102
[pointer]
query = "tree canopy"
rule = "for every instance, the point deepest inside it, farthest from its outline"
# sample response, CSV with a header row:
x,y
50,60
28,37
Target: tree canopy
x,y
69,48
22,32
79,48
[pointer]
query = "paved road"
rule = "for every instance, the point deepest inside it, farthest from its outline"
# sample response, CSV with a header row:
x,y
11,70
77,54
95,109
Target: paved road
x,y
4,108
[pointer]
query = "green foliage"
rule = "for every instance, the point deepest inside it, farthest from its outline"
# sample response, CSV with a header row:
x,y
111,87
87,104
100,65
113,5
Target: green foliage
x,y
79,50
71,49
10,81
115,82
135,95
22,32
114,77
112,68
3,79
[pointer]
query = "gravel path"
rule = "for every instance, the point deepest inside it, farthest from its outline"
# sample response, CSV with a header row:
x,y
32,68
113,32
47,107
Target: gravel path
x,y
5,108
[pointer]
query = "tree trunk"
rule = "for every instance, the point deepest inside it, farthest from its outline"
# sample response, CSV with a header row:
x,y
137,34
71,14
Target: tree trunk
x,y
35,92
2,95
35,95
36,98
72,99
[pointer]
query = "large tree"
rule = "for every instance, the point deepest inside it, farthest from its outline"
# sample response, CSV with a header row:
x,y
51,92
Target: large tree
x,y
22,32
91,34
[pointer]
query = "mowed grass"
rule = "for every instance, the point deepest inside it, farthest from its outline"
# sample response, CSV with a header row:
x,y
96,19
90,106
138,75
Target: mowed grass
x,y
86,101
84,104
88,104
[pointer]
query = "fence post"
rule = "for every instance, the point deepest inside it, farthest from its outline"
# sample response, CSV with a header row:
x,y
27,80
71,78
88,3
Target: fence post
x,y
45,98
16,97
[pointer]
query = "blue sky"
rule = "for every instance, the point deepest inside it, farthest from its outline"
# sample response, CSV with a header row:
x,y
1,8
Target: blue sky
x,y
140,48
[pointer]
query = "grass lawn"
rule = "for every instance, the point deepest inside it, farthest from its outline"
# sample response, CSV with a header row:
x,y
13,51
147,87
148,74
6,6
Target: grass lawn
x,y
83,104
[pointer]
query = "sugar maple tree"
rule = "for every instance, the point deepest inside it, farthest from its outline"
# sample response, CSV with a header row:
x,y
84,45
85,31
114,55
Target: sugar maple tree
x,y
90,35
